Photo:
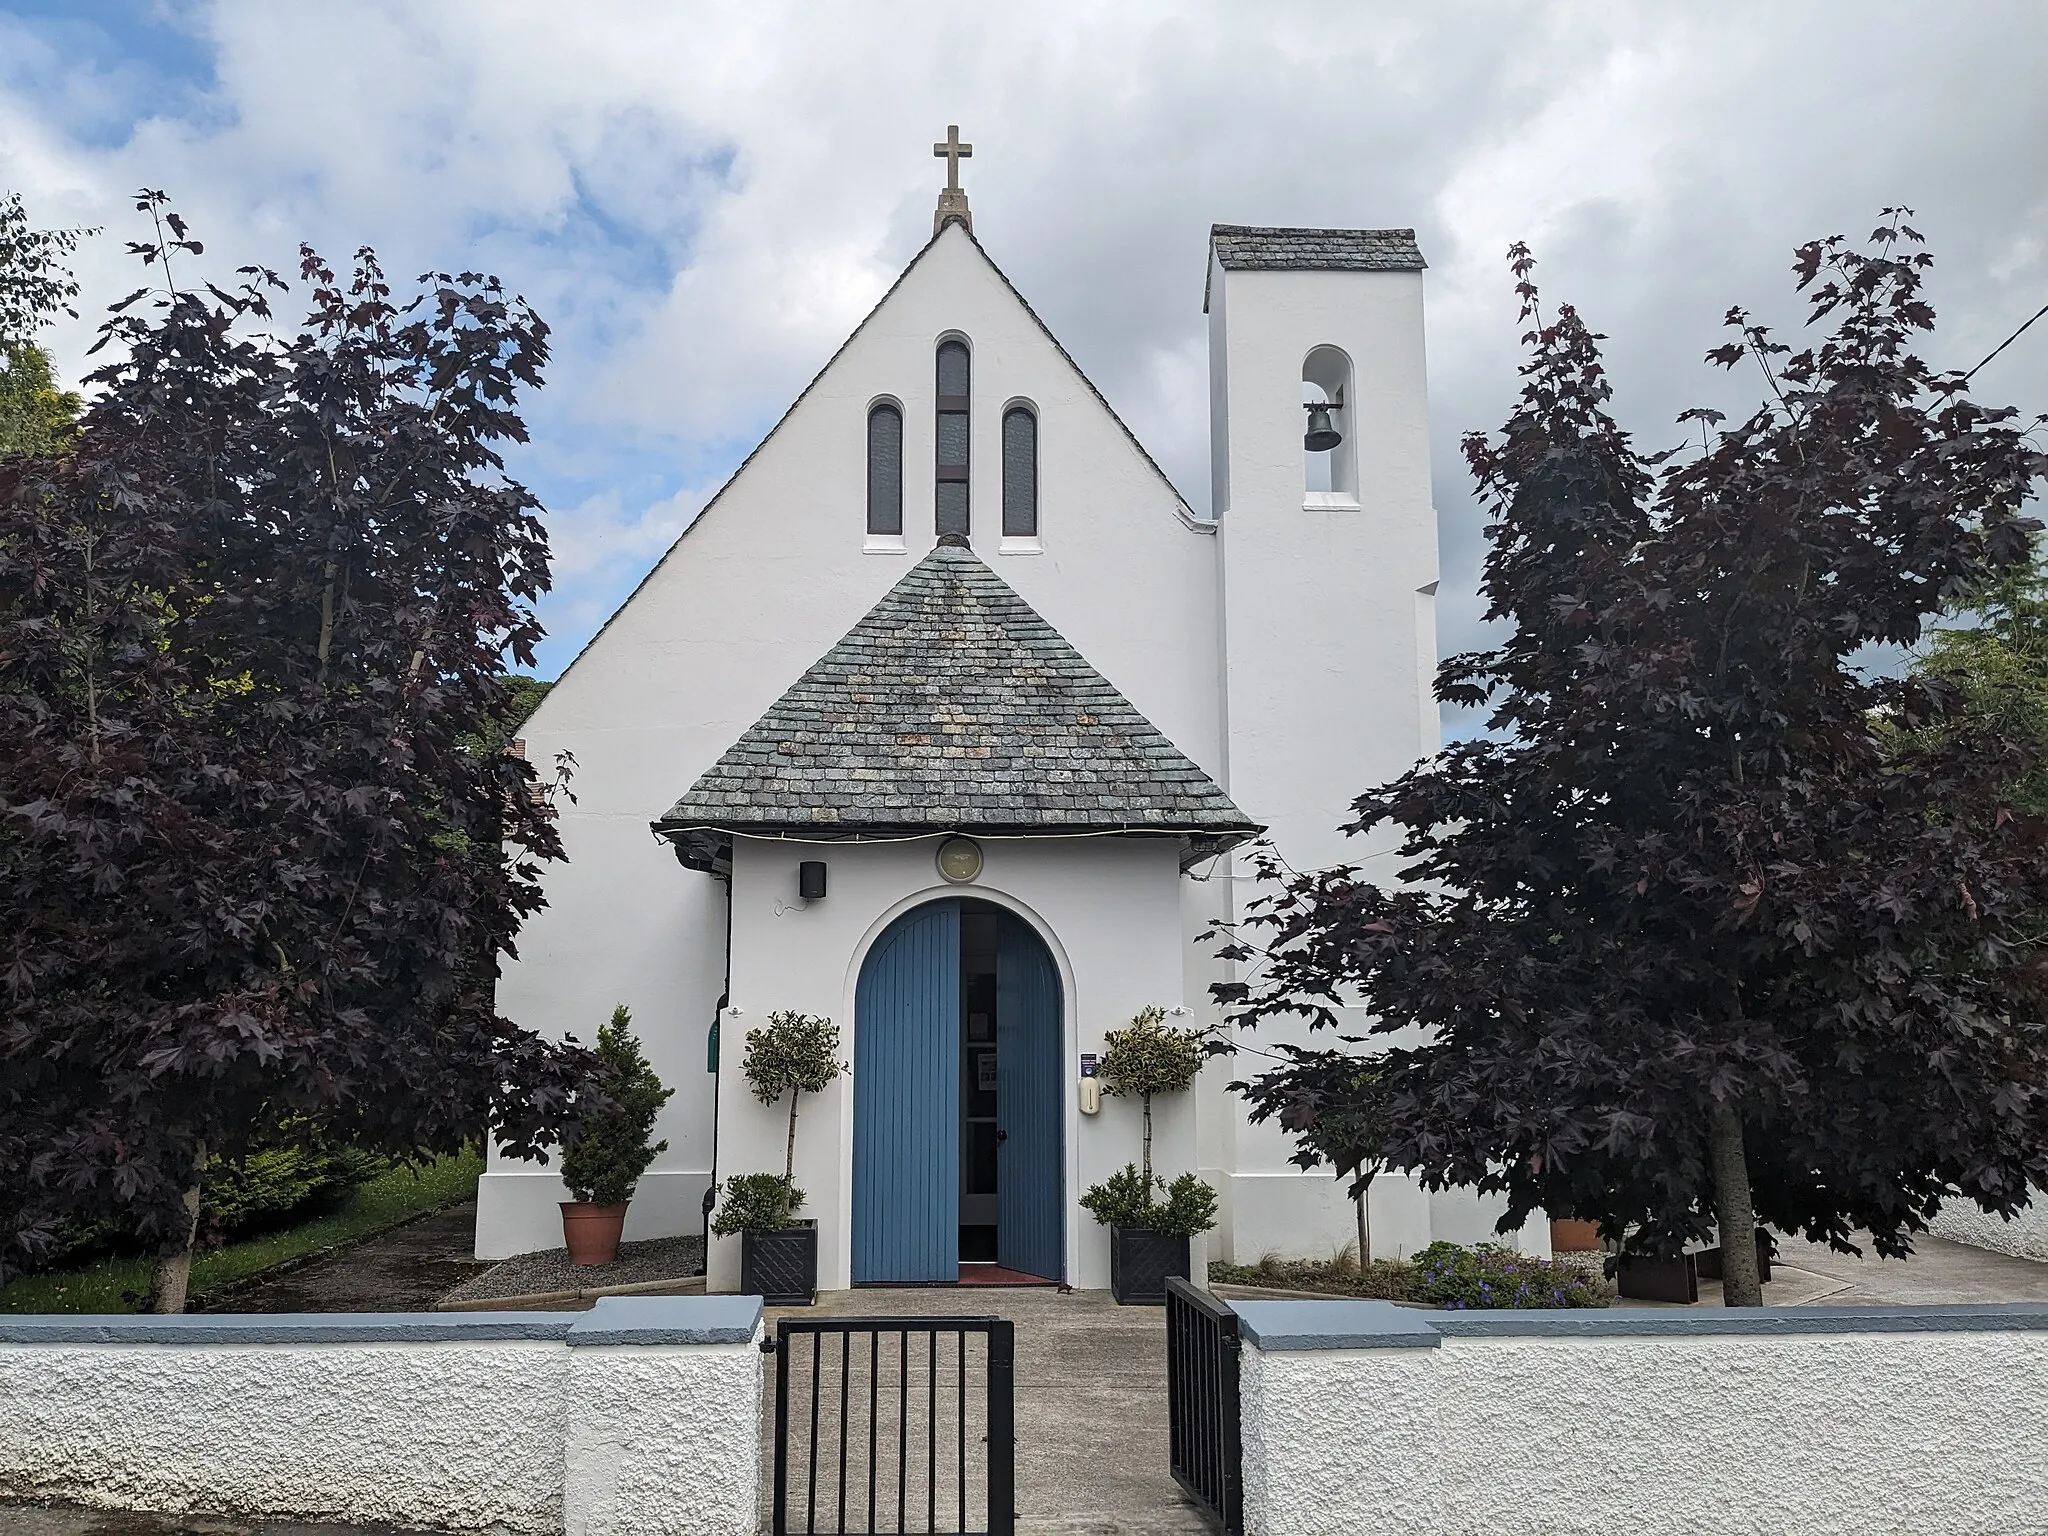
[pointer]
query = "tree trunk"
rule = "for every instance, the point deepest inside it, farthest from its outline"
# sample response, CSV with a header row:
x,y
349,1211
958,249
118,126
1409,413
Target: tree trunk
x,y
1148,1149
1734,1210
789,1150
1364,1230
170,1277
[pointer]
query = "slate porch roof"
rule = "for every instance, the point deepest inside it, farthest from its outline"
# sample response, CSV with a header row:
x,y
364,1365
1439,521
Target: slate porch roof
x,y
952,706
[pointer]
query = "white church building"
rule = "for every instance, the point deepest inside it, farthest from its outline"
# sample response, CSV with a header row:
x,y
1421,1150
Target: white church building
x,y
950,654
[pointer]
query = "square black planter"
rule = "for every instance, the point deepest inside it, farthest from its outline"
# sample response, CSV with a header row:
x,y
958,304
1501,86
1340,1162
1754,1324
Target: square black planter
x,y
1640,1279
781,1267
1141,1261
1709,1259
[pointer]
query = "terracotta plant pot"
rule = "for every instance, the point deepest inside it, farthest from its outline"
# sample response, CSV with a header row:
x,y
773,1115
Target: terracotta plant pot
x,y
591,1232
1569,1235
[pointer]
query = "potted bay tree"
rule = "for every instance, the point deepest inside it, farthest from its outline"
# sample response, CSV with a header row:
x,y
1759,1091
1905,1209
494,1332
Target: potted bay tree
x,y
1149,1237
603,1164
797,1053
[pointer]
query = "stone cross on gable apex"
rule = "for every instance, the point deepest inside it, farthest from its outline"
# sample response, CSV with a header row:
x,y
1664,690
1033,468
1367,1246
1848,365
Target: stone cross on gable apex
x,y
952,201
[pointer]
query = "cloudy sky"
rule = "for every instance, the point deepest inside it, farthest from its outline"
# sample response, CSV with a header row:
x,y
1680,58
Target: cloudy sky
x,y
704,199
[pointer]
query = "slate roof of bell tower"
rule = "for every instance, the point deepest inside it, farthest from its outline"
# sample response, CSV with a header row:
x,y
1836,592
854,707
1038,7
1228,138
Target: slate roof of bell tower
x,y
951,706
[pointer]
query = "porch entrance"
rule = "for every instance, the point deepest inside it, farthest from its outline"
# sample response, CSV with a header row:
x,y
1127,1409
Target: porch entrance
x,y
958,1140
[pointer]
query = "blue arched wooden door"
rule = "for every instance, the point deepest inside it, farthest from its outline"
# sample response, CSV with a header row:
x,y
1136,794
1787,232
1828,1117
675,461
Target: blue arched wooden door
x,y
1031,1198
906,1101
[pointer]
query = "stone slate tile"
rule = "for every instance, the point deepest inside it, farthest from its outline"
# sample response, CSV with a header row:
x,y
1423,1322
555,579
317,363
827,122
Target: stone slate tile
x,y
952,704
1262,248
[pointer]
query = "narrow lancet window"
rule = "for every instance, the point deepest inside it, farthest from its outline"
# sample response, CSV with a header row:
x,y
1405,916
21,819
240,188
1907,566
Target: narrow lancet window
x,y
885,470
952,437
1020,473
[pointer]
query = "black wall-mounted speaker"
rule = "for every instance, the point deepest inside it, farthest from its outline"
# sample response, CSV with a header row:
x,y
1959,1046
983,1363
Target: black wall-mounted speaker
x,y
810,879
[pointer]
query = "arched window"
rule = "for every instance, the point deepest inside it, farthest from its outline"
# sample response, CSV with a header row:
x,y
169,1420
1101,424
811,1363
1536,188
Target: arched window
x,y
1020,473
1330,472
885,469
952,436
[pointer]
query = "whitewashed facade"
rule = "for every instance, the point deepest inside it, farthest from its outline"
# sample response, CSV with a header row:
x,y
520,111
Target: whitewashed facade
x,y
1284,646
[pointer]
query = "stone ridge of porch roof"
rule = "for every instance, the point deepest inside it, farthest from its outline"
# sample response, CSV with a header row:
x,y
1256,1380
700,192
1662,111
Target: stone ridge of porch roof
x,y
952,706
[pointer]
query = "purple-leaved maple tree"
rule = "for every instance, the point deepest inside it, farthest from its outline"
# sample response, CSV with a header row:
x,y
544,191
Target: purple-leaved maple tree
x,y
1694,943
256,868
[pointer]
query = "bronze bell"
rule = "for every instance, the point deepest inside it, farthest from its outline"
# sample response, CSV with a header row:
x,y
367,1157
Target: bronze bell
x,y
1321,436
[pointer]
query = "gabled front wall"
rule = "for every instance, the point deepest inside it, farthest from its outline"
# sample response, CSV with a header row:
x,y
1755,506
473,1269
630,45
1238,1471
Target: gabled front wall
x,y
769,577
1107,908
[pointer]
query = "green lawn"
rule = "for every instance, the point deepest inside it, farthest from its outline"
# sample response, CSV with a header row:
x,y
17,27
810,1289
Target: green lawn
x,y
383,1202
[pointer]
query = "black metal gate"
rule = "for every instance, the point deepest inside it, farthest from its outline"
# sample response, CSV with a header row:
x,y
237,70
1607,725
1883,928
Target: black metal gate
x,y
875,1418
1201,1393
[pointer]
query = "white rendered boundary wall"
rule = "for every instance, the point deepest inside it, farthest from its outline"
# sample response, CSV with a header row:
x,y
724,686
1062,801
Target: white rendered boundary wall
x,y
2025,1236
638,1418
1361,1417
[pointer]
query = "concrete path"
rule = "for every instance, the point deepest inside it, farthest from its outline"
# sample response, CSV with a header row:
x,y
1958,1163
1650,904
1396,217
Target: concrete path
x,y
1091,1404
404,1269
1940,1273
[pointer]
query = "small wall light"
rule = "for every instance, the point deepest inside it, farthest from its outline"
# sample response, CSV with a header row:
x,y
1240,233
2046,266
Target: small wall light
x,y
1321,435
810,880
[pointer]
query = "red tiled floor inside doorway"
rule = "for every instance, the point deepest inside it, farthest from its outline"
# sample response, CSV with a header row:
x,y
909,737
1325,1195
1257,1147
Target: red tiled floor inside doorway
x,y
995,1274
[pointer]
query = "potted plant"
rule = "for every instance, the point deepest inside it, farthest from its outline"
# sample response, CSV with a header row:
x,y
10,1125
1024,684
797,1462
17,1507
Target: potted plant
x,y
603,1164
797,1053
1148,1239
778,1254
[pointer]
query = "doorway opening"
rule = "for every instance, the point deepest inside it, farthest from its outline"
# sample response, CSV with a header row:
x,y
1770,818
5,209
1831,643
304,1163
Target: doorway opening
x,y
981,1129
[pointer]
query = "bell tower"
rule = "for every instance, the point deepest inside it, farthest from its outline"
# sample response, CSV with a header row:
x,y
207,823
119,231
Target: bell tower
x,y
1327,562
1319,430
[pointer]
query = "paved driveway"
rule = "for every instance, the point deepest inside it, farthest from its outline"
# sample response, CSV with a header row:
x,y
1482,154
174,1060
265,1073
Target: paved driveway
x,y
1091,1405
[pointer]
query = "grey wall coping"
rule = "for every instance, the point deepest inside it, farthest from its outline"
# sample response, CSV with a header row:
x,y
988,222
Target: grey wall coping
x,y
1338,1324
1345,1324
1635,1322
287,1328
667,1320
614,1320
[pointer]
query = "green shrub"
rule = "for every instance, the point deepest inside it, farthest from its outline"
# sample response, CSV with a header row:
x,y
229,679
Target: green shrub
x,y
278,1185
605,1161
1125,1199
297,1179
1454,1277
756,1202
1383,1279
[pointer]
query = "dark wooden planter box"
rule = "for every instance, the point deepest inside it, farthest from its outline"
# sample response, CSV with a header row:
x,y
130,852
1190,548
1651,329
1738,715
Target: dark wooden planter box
x,y
1640,1279
1141,1261
781,1267
1709,1259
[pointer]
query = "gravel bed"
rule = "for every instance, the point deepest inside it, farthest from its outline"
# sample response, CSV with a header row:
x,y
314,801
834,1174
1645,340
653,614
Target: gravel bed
x,y
662,1258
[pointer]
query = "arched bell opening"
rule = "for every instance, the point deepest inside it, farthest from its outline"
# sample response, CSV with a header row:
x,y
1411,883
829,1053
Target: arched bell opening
x,y
1329,435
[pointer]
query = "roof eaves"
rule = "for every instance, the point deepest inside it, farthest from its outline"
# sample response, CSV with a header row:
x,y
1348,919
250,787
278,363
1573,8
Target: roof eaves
x,y
708,846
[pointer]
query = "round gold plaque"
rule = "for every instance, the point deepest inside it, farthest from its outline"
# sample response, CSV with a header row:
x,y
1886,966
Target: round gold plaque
x,y
959,859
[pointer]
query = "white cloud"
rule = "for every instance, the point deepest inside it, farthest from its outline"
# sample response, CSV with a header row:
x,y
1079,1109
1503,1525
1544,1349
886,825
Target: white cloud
x,y
705,198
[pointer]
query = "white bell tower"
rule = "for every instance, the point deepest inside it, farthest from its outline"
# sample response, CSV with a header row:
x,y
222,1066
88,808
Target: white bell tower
x,y
1329,557
1319,433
